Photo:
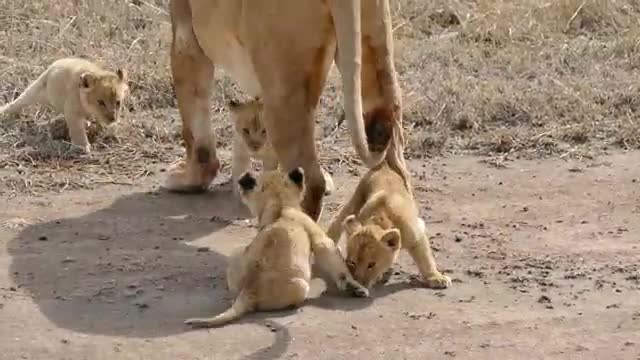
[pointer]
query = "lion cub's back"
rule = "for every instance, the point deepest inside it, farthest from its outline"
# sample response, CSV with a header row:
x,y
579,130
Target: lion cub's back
x,y
285,249
63,78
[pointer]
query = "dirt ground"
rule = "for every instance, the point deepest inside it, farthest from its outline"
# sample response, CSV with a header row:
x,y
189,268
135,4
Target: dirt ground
x,y
544,257
522,124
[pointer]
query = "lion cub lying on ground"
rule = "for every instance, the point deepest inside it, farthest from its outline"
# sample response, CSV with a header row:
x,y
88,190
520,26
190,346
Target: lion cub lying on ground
x,y
381,218
250,141
273,272
78,88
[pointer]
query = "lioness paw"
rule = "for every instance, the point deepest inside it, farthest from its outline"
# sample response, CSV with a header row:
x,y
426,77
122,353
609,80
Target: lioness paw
x,y
438,281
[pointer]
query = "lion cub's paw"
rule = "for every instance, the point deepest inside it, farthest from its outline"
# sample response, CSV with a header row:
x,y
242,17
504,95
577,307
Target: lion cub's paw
x,y
438,281
355,289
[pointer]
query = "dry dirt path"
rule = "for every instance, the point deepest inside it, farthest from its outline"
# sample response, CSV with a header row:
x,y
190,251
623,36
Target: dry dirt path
x,y
545,257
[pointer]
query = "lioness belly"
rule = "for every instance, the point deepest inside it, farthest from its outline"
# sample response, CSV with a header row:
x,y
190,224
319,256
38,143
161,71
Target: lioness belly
x,y
218,41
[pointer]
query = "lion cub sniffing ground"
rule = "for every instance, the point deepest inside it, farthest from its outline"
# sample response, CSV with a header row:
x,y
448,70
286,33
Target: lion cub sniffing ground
x,y
77,88
274,270
250,141
381,218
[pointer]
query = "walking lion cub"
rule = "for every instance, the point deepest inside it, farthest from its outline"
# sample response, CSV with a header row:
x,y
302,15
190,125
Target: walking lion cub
x,y
77,88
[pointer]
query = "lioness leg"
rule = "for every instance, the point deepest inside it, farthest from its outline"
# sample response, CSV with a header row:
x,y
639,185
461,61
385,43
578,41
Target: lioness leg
x,y
192,75
290,126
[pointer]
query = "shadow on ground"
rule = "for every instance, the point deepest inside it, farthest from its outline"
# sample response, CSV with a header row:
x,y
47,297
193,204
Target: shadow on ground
x,y
128,269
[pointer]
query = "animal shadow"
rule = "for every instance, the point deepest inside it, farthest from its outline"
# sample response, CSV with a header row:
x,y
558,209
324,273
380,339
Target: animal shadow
x,y
128,269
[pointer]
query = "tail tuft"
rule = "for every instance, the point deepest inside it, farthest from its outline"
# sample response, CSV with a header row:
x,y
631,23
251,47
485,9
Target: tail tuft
x,y
379,129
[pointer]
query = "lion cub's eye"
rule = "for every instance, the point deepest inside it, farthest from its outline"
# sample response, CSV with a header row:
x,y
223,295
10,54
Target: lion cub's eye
x,y
246,131
264,132
118,103
351,264
371,265
101,103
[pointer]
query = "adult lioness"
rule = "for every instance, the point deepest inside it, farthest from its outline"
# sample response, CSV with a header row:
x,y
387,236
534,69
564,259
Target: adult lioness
x,y
274,270
281,50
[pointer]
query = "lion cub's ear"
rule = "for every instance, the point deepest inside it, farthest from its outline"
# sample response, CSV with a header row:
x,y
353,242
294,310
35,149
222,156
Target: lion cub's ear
x,y
391,238
122,74
247,182
297,176
351,225
87,80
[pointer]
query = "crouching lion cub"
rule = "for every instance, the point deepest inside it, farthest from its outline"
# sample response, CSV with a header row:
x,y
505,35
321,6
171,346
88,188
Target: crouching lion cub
x,y
381,218
77,88
274,270
250,141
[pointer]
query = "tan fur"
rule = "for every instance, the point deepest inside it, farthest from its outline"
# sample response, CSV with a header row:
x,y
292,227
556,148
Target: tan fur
x,y
250,141
79,89
381,218
274,270
282,50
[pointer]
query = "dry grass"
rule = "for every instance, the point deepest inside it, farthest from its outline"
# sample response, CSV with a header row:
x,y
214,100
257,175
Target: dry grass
x,y
498,78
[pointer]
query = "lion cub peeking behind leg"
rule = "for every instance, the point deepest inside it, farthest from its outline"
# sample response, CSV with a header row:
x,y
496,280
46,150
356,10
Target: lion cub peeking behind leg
x,y
381,218
274,270
250,141
77,88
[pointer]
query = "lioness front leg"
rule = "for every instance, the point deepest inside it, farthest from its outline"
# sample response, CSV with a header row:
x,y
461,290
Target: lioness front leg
x,y
417,243
240,161
192,75
295,146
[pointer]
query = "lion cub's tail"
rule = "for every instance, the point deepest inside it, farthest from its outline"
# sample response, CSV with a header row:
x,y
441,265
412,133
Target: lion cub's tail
x,y
242,305
29,96
370,143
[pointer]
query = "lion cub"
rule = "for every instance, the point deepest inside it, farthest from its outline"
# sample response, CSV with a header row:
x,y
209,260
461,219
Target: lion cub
x,y
274,270
250,141
381,218
77,88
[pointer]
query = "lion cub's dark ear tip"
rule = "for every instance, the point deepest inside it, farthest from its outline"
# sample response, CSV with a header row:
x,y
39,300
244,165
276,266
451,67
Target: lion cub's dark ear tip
x,y
297,176
247,181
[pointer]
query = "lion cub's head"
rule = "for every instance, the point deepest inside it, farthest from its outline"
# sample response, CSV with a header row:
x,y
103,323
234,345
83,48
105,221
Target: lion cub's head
x,y
247,120
371,250
102,94
271,191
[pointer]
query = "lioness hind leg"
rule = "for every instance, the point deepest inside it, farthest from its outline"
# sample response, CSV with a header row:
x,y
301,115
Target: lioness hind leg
x,y
192,75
